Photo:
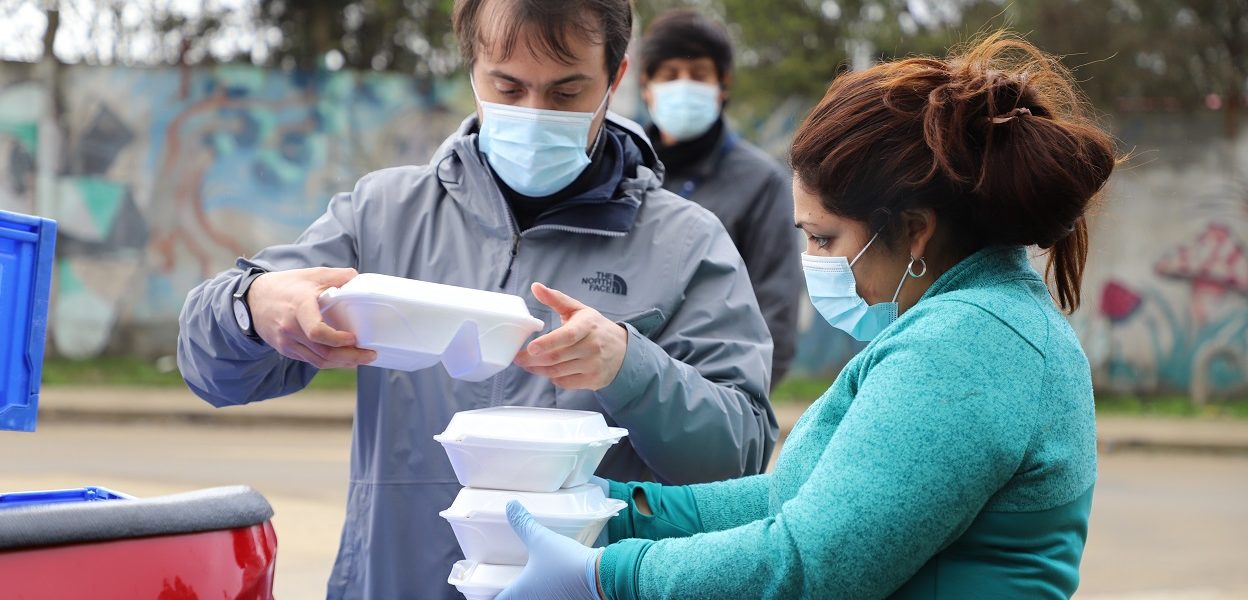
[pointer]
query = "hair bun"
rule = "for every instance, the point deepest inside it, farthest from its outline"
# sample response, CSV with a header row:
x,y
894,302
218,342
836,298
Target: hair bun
x,y
1012,133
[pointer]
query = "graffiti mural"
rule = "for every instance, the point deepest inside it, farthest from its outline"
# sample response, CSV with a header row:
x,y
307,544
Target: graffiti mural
x,y
21,102
160,177
167,175
1186,330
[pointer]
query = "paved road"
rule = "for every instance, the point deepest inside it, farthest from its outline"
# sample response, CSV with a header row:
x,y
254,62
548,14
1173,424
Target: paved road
x,y
1165,526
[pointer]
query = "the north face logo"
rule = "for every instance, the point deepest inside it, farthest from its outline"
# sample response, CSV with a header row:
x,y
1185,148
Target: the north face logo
x,y
608,283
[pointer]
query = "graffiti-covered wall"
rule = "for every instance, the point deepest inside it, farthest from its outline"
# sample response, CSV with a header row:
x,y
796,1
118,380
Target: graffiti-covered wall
x,y
164,176
1166,291
161,177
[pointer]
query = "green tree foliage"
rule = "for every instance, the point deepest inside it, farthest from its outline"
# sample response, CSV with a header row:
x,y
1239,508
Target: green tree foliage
x,y
412,36
1128,55
1147,55
792,49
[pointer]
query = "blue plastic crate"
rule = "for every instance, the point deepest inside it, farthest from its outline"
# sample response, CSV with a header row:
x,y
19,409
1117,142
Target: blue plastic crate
x,y
86,494
26,253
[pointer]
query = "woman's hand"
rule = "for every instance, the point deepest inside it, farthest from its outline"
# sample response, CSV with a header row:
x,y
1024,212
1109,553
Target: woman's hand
x,y
559,568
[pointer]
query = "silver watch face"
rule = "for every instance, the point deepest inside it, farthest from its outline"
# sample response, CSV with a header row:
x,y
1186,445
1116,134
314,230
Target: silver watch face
x,y
241,315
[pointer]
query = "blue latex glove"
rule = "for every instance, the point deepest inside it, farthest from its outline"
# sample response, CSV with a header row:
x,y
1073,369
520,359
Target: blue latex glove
x,y
559,568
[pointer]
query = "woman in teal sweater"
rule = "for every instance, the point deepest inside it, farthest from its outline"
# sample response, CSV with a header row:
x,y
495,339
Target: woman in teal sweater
x,y
955,456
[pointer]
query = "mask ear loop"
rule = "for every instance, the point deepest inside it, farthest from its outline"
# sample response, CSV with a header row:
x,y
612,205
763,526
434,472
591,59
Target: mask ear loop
x,y
606,102
864,248
911,273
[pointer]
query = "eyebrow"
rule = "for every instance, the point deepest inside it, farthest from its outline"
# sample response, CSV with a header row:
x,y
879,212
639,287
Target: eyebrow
x,y
566,80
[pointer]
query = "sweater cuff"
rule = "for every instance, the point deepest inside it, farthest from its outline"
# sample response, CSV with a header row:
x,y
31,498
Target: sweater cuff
x,y
619,569
637,371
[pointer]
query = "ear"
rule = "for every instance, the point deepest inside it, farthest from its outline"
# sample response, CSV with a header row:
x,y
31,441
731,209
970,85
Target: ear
x,y
724,85
918,225
619,74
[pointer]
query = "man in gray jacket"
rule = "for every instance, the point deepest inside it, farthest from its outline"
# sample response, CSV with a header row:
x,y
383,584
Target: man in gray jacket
x,y
686,69
541,185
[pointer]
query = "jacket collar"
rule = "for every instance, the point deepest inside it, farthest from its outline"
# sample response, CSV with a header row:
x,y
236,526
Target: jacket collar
x,y
463,172
706,164
983,268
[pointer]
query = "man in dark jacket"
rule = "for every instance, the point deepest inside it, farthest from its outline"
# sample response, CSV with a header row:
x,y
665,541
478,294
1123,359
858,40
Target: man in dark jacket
x,y
686,62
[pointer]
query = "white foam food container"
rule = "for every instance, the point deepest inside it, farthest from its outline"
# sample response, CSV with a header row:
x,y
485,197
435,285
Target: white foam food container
x,y
415,324
479,519
478,581
526,449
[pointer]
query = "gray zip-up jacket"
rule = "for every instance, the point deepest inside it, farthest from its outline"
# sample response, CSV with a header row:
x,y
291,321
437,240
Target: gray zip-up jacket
x,y
691,391
751,194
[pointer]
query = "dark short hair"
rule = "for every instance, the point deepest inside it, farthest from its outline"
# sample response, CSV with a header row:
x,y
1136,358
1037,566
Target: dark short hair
x,y
606,22
686,34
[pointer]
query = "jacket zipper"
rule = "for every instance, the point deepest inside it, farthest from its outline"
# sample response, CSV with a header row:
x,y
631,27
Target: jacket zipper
x,y
496,394
515,244
515,249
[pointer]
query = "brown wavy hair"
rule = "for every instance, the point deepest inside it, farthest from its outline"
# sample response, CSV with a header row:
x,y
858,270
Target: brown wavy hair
x,y
996,139
606,22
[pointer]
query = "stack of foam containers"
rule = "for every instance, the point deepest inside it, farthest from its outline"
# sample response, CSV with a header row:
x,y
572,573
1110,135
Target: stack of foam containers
x,y
541,457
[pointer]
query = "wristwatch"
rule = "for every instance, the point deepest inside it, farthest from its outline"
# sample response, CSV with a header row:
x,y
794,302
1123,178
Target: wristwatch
x,y
242,310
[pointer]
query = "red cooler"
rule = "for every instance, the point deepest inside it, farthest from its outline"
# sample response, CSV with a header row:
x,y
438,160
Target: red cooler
x,y
94,543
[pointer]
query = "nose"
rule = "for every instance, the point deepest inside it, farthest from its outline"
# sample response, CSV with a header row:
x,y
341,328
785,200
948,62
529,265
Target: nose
x,y
535,101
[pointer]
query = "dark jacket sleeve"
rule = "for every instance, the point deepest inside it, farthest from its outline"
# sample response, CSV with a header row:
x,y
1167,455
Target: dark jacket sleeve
x,y
771,253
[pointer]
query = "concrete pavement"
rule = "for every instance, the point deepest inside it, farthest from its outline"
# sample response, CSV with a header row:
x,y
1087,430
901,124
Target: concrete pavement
x,y
1165,526
1168,521
107,404
335,409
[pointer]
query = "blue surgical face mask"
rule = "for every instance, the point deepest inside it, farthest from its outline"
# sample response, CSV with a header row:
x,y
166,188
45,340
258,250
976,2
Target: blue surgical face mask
x,y
684,109
834,292
536,152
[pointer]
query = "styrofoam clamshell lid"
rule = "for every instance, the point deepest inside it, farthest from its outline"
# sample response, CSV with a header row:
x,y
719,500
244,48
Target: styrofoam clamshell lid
x,y
480,581
375,286
528,423
576,503
414,325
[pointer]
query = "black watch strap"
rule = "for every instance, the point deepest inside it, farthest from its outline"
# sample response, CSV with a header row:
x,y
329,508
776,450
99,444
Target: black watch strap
x,y
253,271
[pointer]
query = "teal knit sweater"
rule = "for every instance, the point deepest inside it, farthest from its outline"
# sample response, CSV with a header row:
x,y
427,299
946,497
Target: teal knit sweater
x,y
954,457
